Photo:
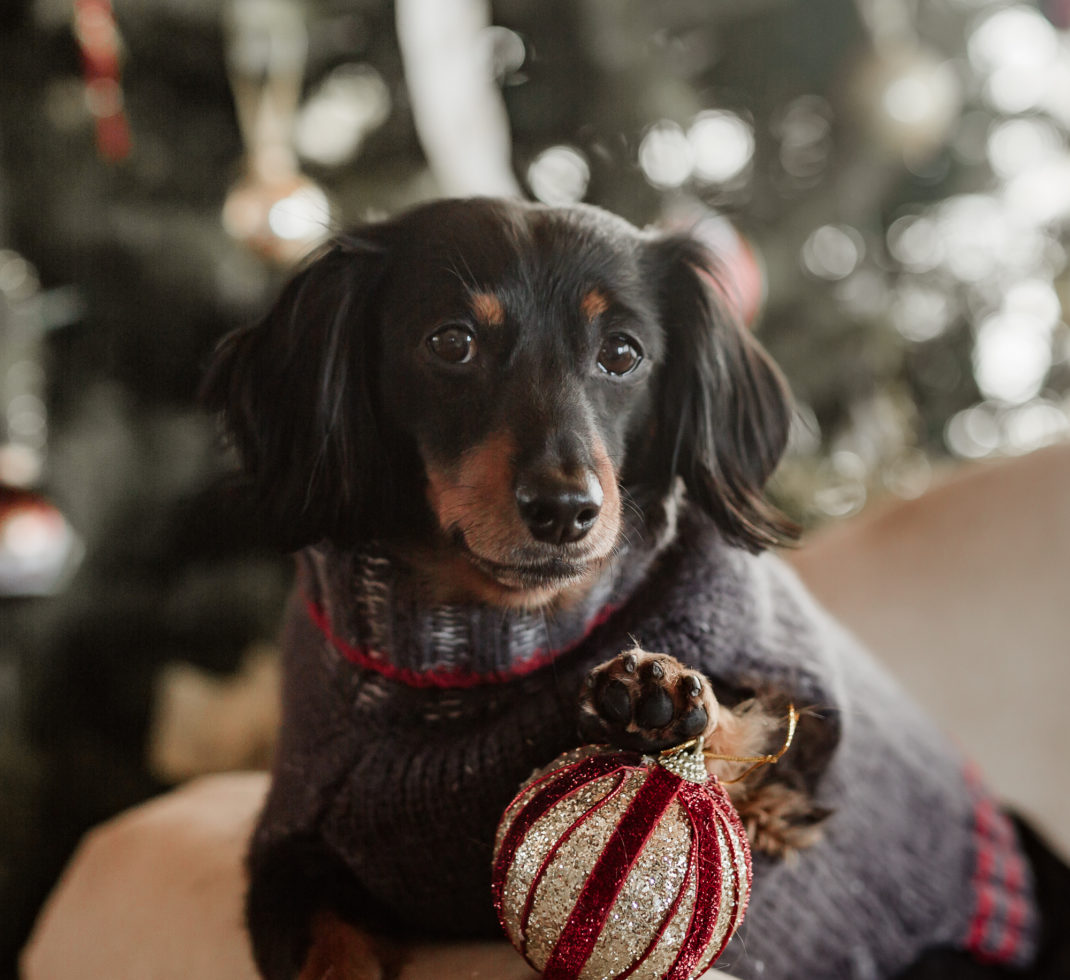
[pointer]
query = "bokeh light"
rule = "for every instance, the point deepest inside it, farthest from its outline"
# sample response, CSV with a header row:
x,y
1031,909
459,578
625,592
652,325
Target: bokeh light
x,y
303,215
1012,356
914,241
350,103
974,432
722,145
559,175
992,428
922,96
1035,299
18,279
666,155
833,251
506,52
921,312
27,420
1013,49
1041,194
1033,426
843,478
805,134
1016,146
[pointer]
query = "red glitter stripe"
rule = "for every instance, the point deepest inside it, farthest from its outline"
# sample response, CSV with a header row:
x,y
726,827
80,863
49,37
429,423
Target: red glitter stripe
x,y
703,813
369,659
731,815
741,899
570,778
529,904
588,916
713,793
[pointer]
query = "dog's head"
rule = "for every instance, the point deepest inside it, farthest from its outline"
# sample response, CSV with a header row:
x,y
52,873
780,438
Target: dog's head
x,y
487,384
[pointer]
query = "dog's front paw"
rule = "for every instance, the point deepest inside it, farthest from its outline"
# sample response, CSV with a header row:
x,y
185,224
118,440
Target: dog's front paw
x,y
646,702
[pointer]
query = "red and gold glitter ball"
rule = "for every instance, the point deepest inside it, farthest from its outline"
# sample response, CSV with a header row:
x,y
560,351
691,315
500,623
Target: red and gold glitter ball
x,y
609,864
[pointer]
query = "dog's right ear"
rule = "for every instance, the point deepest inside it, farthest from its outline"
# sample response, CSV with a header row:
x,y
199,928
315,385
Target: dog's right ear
x,y
298,399
724,409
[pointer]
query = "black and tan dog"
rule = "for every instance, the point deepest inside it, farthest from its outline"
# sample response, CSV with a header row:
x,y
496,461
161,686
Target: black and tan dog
x,y
509,440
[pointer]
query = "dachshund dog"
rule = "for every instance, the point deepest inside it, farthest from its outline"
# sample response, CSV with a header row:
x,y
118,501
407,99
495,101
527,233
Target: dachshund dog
x,y
527,416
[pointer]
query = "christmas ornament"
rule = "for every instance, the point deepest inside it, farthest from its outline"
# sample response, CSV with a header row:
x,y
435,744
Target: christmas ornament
x,y
39,550
274,208
908,98
611,864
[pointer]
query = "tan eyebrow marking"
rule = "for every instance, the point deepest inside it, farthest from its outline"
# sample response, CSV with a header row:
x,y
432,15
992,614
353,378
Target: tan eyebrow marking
x,y
594,304
488,309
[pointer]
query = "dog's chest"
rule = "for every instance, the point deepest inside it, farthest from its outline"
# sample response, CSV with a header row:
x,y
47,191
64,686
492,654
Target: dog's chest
x,y
415,814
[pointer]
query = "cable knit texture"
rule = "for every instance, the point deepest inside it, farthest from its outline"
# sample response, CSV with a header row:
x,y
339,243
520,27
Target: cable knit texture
x,y
407,781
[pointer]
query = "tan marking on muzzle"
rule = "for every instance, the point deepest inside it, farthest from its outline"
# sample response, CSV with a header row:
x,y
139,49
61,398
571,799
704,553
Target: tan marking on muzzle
x,y
603,536
477,496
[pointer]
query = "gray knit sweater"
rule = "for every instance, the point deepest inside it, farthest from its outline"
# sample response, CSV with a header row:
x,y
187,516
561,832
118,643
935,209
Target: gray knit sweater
x,y
407,730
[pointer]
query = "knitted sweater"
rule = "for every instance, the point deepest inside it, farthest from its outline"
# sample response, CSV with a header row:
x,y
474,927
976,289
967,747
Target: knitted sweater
x,y
402,753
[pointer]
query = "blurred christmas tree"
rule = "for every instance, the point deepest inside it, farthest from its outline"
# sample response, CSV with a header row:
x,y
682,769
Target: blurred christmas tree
x,y
888,182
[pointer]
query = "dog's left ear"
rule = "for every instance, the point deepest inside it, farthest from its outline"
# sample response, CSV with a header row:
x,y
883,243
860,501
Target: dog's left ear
x,y
297,393
724,409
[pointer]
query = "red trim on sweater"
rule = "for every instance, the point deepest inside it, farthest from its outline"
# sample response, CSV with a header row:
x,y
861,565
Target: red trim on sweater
x,y
369,659
984,813
1015,913
998,869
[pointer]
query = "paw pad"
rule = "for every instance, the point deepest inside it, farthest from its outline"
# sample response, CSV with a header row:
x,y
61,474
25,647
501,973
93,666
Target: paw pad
x,y
646,702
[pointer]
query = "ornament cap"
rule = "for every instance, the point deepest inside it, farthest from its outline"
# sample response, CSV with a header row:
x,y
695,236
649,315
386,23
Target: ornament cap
x,y
686,761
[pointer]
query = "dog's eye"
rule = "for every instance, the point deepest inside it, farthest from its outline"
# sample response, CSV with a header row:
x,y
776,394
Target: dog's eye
x,y
619,354
454,343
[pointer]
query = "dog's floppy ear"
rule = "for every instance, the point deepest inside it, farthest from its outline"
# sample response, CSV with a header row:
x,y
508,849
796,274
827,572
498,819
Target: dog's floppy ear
x,y
724,409
297,395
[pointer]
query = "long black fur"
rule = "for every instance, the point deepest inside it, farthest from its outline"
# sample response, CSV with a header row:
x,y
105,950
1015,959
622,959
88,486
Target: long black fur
x,y
299,396
725,397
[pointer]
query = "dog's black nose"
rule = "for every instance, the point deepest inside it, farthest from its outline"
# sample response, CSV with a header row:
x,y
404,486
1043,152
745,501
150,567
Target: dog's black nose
x,y
559,512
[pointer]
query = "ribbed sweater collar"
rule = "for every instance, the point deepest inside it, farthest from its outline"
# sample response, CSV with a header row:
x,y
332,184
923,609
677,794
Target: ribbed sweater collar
x,y
372,608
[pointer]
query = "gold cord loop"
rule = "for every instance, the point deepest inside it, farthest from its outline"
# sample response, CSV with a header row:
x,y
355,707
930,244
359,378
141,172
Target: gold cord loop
x,y
757,761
